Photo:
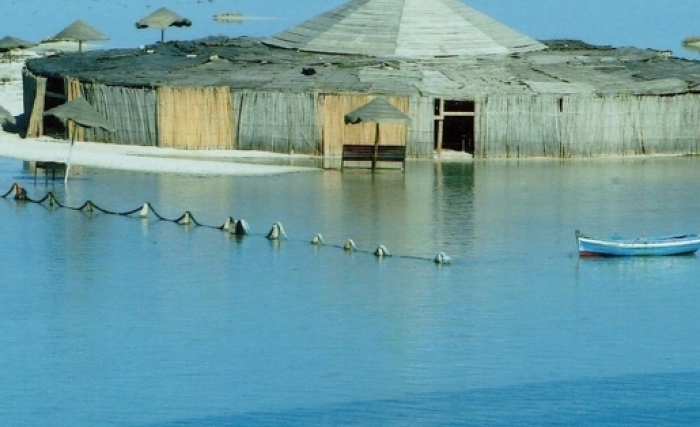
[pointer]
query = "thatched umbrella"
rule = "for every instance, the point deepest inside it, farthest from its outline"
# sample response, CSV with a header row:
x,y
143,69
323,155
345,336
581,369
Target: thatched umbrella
x,y
8,43
79,31
80,112
162,19
379,110
692,43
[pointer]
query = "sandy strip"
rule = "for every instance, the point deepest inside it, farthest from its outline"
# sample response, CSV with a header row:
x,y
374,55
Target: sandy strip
x,y
123,157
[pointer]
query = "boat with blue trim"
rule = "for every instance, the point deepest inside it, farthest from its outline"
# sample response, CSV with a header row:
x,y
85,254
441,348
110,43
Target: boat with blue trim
x,y
678,244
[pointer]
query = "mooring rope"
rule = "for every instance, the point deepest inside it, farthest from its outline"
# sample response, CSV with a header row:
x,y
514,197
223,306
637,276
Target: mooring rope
x,y
237,227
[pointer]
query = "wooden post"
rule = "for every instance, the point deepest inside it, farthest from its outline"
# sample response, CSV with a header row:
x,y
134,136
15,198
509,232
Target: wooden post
x,y
441,126
376,147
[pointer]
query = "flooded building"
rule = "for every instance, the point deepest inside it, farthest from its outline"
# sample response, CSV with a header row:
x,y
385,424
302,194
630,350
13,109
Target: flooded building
x,y
468,83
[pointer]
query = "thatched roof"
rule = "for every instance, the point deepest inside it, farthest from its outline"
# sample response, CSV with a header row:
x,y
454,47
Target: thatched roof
x,y
9,43
692,43
162,19
378,110
80,31
566,67
82,113
405,28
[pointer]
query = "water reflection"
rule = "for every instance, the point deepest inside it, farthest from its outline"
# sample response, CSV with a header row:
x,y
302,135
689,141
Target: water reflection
x,y
112,320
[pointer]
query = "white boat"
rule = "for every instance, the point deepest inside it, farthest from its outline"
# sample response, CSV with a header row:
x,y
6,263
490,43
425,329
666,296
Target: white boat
x,y
678,244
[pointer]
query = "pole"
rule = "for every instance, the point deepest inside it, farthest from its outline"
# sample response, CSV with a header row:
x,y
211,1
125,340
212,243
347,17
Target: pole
x,y
70,150
376,147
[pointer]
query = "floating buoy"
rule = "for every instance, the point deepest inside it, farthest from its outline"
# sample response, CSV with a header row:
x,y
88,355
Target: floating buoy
x,y
230,222
144,211
186,218
241,228
237,227
350,245
20,193
276,232
443,258
381,252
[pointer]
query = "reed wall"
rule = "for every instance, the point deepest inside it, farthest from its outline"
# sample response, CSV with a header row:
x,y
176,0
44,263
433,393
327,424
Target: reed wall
x,y
506,126
74,131
277,122
518,126
34,100
587,125
132,112
420,141
194,118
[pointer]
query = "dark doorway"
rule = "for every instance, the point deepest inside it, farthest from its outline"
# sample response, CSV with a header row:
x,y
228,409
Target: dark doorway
x,y
55,96
53,126
458,133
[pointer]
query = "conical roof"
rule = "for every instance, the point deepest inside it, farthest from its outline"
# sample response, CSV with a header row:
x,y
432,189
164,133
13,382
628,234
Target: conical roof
x,y
162,19
9,43
379,110
80,31
405,28
692,43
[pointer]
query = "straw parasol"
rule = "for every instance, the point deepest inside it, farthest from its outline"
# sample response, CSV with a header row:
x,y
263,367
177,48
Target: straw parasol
x,y
79,31
379,110
8,43
162,19
78,112
692,43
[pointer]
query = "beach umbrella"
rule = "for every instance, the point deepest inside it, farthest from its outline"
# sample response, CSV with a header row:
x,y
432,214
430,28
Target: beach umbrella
x,y
692,43
379,110
79,31
78,112
8,43
162,19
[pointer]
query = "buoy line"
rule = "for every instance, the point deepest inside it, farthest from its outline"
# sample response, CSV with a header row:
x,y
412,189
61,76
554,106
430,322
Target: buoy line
x,y
236,227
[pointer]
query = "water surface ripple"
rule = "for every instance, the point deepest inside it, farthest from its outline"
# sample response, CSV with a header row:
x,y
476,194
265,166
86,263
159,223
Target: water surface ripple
x,y
108,320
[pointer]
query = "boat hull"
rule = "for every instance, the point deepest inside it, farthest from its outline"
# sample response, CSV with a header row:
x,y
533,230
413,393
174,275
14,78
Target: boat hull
x,y
683,244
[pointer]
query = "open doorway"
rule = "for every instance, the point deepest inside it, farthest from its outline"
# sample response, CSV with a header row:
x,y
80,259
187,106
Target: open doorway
x,y
55,96
454,125
458,134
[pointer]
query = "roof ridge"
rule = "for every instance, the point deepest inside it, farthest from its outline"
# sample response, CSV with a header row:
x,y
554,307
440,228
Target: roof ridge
x,y
405,28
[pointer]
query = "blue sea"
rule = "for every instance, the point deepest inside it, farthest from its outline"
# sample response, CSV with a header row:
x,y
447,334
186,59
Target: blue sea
x,y
115,320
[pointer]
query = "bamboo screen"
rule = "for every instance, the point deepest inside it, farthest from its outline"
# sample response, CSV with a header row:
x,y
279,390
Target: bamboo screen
x,y
588,125
34,96
195,118
278,122
518,126
623,125
73,131
336,132
421,132
132,112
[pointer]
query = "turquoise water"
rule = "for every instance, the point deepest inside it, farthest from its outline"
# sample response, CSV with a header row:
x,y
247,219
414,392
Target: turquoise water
x,y
110,320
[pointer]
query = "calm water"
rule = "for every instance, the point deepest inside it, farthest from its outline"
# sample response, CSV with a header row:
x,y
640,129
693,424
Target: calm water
x,y
115,321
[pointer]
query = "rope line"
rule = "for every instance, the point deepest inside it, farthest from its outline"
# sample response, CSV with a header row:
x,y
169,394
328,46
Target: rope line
x,y
235,227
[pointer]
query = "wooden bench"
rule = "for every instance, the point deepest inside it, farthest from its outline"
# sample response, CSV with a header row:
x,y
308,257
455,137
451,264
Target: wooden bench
x,y
48,166
366,153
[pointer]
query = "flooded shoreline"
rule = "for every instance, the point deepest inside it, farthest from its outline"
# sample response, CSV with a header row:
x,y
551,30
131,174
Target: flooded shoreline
x,y
129,321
